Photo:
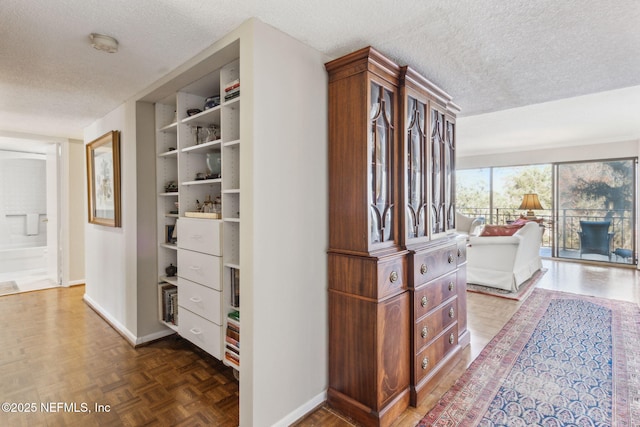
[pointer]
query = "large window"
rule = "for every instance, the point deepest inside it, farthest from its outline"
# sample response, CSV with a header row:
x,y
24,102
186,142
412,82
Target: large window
x,y
497,193
595,215
599,192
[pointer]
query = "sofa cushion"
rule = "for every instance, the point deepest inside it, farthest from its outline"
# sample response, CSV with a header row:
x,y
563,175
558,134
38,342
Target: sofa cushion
x,y
500,230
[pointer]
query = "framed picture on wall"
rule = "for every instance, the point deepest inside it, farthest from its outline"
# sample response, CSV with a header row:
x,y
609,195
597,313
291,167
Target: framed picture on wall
x,y
103,179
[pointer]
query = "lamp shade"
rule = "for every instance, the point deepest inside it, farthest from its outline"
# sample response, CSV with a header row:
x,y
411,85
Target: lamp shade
x,y
530,202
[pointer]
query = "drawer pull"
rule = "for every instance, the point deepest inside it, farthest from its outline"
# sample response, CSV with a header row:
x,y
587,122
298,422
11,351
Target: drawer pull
x,y
425,332
459,253
450,286
452,339
196,299
423,269
424,301
195,267
393,276
452,313
450,259
425,363
195,331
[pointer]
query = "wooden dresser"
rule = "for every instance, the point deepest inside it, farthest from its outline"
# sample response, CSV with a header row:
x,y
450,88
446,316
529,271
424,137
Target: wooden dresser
x,y
397,304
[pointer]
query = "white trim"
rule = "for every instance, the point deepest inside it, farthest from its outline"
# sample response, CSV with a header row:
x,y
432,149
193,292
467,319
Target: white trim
x,y
126,334
302,410
74,283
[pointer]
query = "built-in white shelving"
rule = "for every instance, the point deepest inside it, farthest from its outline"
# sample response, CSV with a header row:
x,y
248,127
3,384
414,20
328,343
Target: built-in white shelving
x,y
187,147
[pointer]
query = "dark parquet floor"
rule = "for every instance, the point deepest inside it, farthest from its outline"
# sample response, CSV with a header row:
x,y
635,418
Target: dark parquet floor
x,y
66,366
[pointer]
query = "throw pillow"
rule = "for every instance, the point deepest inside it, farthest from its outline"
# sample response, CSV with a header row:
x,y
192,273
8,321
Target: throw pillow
x,y
500,230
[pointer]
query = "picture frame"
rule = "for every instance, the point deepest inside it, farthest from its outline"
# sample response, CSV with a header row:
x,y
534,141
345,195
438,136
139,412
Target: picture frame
x,y
103,180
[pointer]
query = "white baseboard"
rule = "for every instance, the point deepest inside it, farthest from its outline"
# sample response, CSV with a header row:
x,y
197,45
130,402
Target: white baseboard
x,y
155,336
303,410
76,282
119,327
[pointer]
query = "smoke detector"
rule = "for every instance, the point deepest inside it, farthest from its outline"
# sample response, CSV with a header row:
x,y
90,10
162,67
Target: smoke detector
x,y
104,43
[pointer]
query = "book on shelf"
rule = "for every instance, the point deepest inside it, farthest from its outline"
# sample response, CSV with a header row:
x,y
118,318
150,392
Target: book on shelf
x,y
234,351
231,95
170,304
234,315
232,341
232,358
235,287
233,334
232,85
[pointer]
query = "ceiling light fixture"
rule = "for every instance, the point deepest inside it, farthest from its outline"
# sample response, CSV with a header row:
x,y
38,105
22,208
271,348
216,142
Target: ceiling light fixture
x,y
104,43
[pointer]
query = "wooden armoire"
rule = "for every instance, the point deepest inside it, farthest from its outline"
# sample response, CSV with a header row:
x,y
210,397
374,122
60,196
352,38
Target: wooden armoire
x,y
397,304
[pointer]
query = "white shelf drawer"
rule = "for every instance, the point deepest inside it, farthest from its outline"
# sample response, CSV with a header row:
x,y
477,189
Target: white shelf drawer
x,y
200,268
201,235
199,299
203,333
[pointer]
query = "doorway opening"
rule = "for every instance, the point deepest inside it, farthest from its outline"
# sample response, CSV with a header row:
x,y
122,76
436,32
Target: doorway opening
x,y
30,250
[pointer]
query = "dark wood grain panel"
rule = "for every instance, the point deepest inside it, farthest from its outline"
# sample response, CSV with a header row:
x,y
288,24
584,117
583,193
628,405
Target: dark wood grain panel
x,y
427,328
430,263
431,295
429,358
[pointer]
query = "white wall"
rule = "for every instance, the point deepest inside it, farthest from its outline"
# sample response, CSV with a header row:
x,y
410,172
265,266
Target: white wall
x,y
76,212
111,254
285,249
108,289
611,150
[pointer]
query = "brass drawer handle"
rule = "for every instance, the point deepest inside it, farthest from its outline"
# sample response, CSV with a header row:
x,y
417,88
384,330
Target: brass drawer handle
x,y
450,285
425,363
424,301
393,276
425,332
423,269
452,313
452,339
450,259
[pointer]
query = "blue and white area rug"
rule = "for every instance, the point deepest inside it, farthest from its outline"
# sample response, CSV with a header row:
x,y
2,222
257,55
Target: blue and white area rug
x,y
562,360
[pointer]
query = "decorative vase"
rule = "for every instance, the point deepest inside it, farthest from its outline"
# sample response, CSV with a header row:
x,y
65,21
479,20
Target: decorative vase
x,y
213,164
171,270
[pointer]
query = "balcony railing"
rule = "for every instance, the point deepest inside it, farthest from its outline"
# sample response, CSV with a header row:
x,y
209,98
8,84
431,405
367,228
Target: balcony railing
x,y
567,225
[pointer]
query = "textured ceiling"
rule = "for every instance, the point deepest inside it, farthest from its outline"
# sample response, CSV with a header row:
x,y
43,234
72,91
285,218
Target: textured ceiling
x,y
490,55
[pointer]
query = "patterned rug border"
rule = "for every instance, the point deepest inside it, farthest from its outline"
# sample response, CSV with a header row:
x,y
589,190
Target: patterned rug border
x,y
462,406
522,293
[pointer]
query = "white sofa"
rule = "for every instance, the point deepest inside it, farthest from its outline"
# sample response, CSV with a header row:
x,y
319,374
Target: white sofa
x,y
504,262
467,225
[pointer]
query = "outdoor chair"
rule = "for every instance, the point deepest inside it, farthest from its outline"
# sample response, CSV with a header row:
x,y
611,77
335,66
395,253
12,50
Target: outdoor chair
x,y
595,238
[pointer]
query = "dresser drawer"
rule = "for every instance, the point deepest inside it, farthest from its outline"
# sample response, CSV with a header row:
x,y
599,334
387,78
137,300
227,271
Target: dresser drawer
x,y
201,332
426,360
428,265
201,235
369,277
430,326
199,299
431,295
391,276
200,268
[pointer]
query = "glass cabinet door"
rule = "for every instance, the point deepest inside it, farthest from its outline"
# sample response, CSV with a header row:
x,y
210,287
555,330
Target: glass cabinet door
x,y
437,191
416,155
449,158
381,160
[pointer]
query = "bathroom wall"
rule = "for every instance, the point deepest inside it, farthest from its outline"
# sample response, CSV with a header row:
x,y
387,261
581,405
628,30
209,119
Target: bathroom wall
x,y
22,191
